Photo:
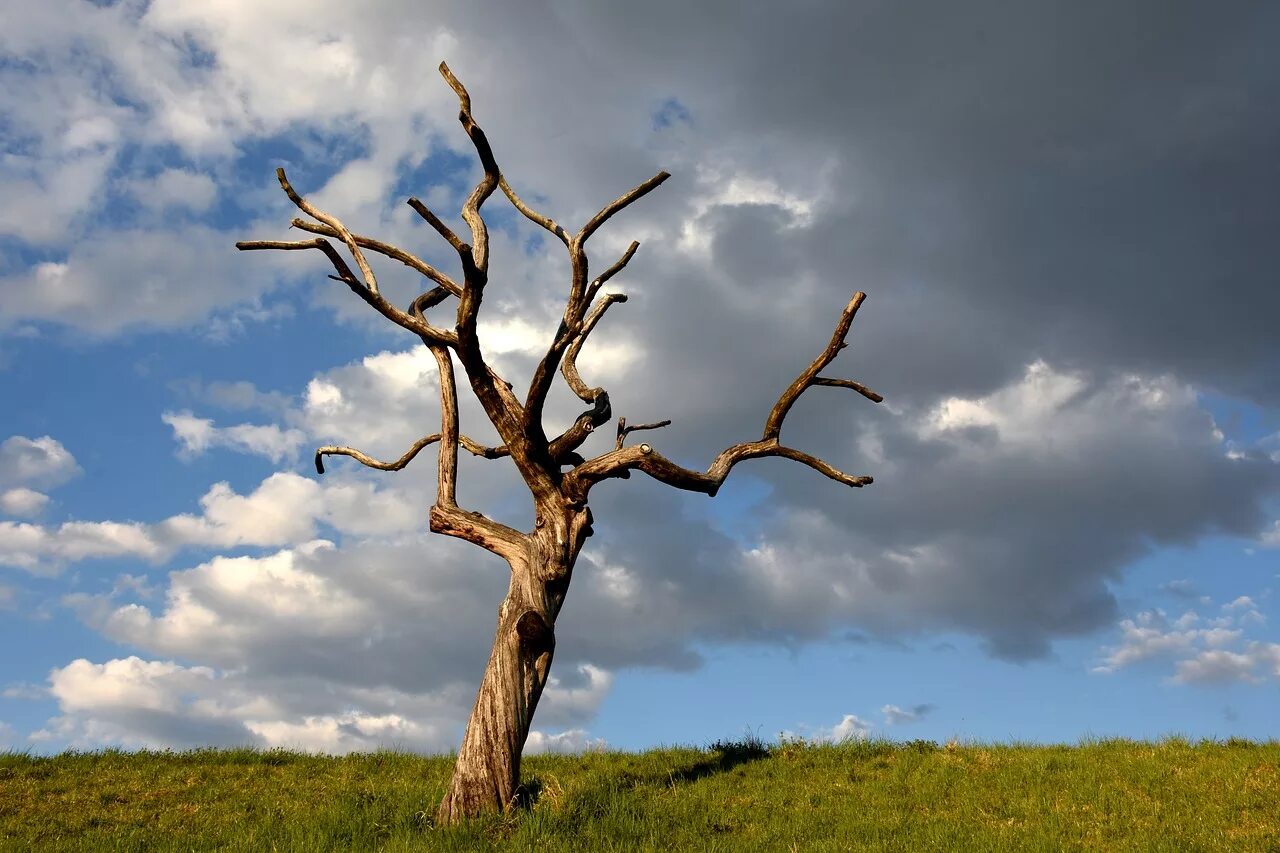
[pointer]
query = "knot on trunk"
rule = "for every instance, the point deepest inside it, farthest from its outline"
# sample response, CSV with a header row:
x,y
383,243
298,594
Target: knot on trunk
x,y
533,631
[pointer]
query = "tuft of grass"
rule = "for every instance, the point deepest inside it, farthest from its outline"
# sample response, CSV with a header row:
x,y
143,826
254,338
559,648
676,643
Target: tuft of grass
x,y
730,795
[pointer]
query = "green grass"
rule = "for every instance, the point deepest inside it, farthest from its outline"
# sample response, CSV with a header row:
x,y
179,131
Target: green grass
x,y
1108,794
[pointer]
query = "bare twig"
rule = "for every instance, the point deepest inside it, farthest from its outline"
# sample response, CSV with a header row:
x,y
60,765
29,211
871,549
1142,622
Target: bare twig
x,y
623,430
849,383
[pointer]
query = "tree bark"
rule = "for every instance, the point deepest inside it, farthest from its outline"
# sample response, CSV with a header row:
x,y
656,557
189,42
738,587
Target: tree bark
x,y
486,776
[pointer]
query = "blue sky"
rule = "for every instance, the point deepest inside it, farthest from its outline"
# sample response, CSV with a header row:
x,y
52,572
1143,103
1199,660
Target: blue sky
x,y
1075,524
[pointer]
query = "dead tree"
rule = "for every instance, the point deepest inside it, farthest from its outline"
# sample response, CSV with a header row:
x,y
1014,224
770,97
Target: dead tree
x,y
487,774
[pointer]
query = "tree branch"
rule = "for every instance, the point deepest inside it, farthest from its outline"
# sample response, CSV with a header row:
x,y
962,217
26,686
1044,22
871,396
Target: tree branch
x,y
623,430
773,425
609,273
580,296
500,404
393,252
443,230
621,460
474,447
370,281
616,463
570,367
545,221
345,275
849,383
471,209
617,204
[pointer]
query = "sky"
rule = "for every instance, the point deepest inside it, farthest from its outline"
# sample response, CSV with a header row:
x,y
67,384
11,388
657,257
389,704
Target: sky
x,y
1063,217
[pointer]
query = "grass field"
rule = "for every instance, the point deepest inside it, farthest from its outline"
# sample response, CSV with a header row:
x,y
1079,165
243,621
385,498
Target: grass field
x,y
1104,794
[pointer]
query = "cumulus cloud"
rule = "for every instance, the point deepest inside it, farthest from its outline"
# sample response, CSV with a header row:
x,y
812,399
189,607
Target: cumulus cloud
x,y
134,703
849,728
284,509
22,502
197,435
1197,653
571,741
40,462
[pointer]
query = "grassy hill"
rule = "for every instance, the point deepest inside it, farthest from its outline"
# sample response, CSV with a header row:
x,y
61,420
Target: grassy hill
x,y
1107,794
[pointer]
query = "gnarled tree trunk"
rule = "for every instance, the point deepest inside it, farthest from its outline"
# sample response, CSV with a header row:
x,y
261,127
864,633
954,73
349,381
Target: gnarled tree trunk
x,y
486,777
487,774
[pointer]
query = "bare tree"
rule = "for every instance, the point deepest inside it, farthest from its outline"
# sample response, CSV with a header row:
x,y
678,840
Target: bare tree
x,y
487,774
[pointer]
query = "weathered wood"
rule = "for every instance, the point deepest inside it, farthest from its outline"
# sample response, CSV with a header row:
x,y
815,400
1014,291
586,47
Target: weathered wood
x,y
486,776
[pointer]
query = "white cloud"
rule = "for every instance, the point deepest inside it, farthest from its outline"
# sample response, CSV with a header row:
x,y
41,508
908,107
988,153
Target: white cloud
x,y
572,741
118,280
267,591
282,510
1200,658
157,704
340,734
22,502
40,461
175,188
719,187
131,683
45,551
1216,667
849,728
197,435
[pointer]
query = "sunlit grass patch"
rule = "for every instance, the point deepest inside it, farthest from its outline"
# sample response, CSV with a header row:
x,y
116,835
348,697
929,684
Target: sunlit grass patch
x,y
869,794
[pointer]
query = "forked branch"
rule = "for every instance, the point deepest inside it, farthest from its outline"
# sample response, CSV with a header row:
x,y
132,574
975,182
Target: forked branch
x,y
347,277
394,252
370,281
624,430
621,460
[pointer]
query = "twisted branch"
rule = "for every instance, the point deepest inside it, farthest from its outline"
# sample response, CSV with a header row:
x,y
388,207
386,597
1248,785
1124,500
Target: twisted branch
x,y
364,459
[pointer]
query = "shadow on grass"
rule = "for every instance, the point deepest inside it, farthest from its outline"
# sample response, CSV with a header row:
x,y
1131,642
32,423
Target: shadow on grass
x,y
723,756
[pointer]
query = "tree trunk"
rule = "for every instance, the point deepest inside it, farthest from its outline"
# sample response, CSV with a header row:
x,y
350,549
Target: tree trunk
x,y
486,777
